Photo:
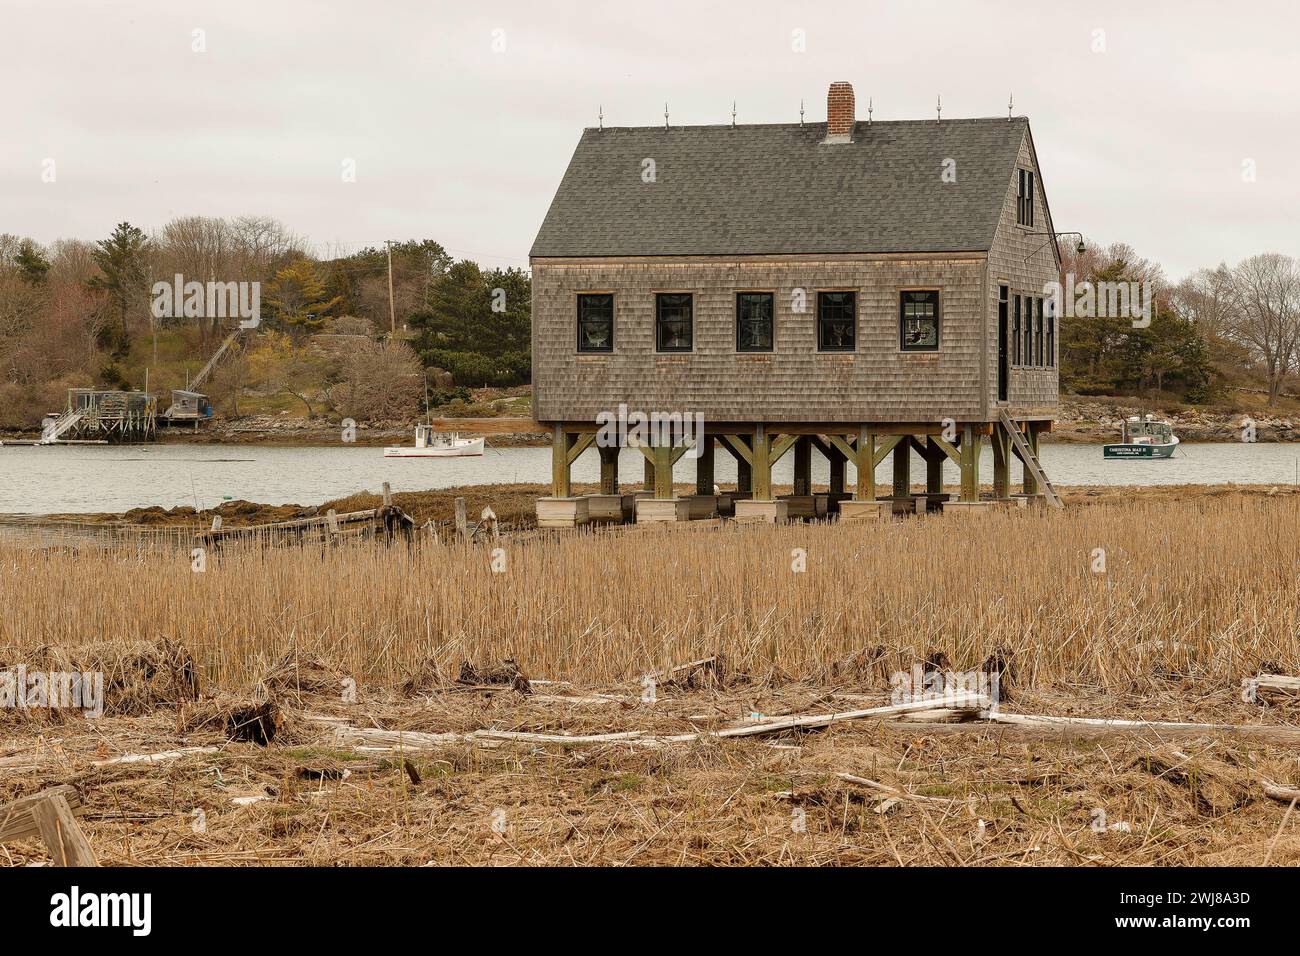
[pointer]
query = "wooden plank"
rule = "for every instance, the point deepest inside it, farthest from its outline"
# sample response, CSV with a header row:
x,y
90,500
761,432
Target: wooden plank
x,y
1276,686
62,834
16,821
462,523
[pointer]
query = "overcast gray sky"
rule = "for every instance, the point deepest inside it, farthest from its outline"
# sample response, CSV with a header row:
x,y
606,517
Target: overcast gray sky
x,y
1142,141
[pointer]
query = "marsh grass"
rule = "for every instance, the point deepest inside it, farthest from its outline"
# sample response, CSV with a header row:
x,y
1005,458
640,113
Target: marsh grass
x,y
1207,588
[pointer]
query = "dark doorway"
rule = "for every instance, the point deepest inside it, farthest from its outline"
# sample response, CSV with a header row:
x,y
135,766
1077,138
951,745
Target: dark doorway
x,y
1003,369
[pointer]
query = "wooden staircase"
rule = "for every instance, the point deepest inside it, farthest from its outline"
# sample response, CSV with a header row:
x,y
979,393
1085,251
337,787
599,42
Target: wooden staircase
x,y
64,423
1026,455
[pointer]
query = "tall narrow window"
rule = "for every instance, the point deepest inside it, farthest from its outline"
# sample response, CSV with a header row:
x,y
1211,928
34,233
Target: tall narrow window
x,y
596,323
754,321
1025,197
1028,354
836,321
1051,332
1015,330
918,321
1039,341
673,321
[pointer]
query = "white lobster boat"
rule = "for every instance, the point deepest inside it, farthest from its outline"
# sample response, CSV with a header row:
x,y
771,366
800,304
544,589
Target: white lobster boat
x,y
431,444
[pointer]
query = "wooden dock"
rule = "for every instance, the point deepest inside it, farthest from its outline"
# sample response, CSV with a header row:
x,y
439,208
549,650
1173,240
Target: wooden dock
x,y
385,522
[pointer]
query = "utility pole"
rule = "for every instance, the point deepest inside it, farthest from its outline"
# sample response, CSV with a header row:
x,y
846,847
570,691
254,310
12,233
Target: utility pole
x,y
392,314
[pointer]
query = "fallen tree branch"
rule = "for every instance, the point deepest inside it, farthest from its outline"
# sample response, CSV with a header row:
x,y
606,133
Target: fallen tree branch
x,y
968,705
154,758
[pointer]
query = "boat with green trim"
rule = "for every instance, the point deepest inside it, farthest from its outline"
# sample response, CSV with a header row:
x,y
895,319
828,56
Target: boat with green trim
x,y
1143,437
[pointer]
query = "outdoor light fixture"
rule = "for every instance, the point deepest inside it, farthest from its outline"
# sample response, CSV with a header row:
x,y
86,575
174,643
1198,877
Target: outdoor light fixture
x,y
1078,249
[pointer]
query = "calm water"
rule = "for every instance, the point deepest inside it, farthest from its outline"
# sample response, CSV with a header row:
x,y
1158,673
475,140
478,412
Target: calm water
x,y
86,478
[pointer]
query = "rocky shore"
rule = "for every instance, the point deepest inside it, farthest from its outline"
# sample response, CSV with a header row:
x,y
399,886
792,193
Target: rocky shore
x,y
1100,421
1083,421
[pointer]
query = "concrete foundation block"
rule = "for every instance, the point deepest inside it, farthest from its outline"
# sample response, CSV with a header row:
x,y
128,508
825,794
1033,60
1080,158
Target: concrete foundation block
x,y
772,512
852,510
702,506
800,506
605,507
562,512
651,510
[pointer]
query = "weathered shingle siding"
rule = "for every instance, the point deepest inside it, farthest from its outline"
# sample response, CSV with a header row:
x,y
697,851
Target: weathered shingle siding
x,y
795,382
1025,263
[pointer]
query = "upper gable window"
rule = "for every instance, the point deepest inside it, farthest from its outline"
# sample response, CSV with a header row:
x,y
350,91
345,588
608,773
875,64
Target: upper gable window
x,y
674,326
1025,197
596,323
836,321
918,321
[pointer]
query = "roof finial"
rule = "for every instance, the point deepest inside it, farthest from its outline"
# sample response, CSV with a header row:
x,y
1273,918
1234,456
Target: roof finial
x,y
1011,101
801,112
938,109
733,112
868,111
665,116
601,116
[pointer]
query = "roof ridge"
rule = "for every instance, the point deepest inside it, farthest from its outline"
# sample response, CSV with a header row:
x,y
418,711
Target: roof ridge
x,y
894,122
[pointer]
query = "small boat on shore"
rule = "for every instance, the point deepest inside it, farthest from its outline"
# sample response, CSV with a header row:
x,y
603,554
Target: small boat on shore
x,y
431,444
1143,437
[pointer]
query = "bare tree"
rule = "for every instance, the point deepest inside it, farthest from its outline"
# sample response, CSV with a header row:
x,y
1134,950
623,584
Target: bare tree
x,y
1264,315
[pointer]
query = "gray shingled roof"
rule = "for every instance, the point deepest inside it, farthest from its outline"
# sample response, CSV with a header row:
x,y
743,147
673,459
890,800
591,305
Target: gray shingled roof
x,y
776,189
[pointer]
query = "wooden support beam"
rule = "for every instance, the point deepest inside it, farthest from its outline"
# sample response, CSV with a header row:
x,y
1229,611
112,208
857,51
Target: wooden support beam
x,y
762,464
934,458
560,487
608,470
704,466
970,466
1030,483
844,447
663,456
837,459
1001,464
884,447
579,444
864,460
779,447
903,467
803,465
681,450
648,476
946,447
744,477
739,449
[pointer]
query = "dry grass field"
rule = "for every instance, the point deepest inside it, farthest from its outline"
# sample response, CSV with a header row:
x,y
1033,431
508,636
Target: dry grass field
x,y
1193,596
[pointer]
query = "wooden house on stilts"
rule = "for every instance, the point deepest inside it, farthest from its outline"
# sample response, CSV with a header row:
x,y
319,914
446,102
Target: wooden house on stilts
x,y
855,288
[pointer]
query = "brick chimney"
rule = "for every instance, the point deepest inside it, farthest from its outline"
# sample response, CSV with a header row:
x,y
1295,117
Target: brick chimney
x,y
839,112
